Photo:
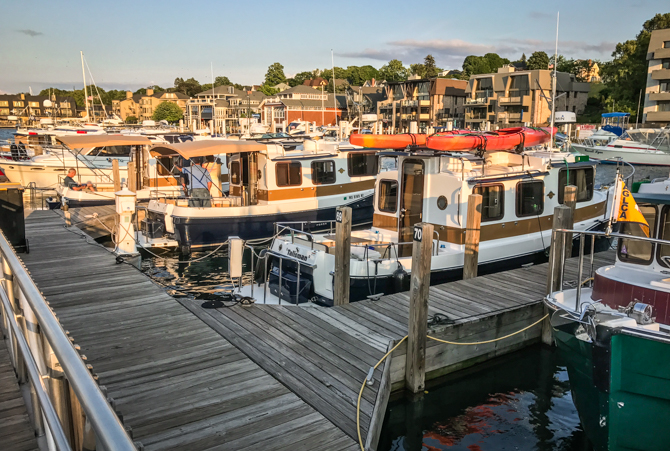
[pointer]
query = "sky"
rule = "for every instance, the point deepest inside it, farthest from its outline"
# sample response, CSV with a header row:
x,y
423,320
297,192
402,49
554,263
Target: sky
x,y
133,44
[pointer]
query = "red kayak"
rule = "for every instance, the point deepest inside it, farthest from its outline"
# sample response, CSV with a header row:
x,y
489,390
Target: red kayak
x,y
505,139
388,141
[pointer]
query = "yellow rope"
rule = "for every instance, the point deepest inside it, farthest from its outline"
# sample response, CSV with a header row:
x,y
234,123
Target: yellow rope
x,y
360,394
495,339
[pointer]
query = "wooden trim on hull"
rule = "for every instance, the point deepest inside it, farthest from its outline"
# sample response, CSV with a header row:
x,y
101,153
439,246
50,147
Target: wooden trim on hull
x,y
500,230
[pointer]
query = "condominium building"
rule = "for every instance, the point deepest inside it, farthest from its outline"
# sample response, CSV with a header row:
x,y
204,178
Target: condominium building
x,y
225,105
142,106
302,103
27,107
511,98
657,93
419,105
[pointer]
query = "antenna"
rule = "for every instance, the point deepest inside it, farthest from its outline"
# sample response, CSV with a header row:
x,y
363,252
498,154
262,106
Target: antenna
x,y
332,60
83,73
553,87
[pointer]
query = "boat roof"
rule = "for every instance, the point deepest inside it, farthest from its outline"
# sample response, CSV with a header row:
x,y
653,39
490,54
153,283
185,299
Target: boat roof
x,y
615,114
191,149
79,141
652,198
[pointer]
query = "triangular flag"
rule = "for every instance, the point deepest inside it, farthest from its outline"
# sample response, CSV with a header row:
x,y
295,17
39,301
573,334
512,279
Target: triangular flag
x,y
629,211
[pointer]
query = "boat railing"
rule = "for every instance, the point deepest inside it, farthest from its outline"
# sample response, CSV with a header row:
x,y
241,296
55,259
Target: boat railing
x,y
581,235
43,354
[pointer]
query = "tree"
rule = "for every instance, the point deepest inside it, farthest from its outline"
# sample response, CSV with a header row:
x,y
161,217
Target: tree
x,y
131,120
275,75
417,69
393,71
429,67
221,81
487,64
626,74
357,75
299,79
168,111
189,87
268,90
538,60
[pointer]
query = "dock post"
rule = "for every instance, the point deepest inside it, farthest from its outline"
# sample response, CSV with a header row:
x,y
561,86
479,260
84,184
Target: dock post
x,y
116,175
131,181
253,178
342,255
562,220
58,389
570,200
473,224
415,364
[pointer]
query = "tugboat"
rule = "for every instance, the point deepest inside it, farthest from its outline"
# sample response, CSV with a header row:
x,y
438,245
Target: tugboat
x,y
614,329
419,184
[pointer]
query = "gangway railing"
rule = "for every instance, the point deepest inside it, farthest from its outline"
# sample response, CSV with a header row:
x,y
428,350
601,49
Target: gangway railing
x,y
70,409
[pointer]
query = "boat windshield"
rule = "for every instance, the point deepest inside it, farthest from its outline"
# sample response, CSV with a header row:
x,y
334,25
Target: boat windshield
x,y
636,251
110,151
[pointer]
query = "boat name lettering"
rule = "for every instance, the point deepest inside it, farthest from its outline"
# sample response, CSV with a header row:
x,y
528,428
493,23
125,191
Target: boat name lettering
x,y
296,254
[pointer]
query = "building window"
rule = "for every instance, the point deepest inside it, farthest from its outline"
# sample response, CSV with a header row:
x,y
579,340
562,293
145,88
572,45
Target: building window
x,y
493,201
388,196
289,174
665,64
18,103
4,103
582,178
34,104
323,172
529,198
663,106
636,251
235,172
362,164
4,111
664,86
666,44
37,112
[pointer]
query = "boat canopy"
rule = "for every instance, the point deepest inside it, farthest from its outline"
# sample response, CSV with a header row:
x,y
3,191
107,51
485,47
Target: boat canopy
x,y
80,141
607,115
207,147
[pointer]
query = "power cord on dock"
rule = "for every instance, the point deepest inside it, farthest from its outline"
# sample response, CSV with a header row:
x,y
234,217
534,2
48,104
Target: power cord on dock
x,y
365,382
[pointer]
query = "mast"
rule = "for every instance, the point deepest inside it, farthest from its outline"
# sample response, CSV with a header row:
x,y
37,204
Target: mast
x,y
553,87
211,67
83,73
332,60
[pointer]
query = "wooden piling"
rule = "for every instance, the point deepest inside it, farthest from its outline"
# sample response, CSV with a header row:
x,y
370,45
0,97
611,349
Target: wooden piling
x,y
116,175
570,200
415,364
132,177
253,178
472,232
562,220
342,255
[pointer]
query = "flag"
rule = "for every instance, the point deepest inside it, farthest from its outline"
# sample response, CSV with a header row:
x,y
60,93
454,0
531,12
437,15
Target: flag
x,y
629,211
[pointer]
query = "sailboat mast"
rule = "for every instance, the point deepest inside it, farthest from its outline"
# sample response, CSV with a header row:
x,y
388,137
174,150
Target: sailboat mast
x,y
83,73
332,60
553,87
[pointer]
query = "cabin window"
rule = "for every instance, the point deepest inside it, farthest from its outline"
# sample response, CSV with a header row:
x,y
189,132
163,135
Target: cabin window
x,y
582,178
388,196
664,234
235,172
111,151
323,172
493,201
289,174
362,164
529,198
166,165
635,251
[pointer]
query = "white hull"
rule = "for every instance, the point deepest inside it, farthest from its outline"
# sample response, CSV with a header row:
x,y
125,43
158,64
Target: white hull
x,y
642,155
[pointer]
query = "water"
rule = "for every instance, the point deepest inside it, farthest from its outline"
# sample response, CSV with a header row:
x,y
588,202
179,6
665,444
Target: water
x,y
518,402
6,133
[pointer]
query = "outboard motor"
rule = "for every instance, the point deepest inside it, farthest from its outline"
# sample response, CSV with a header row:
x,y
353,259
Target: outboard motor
x,y
401,280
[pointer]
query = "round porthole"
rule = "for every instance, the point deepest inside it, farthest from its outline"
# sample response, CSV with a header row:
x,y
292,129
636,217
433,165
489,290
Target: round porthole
x,y
442,202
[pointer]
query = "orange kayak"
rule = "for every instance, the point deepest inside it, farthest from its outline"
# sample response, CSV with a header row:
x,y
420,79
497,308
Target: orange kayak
x,y
388,141
505,139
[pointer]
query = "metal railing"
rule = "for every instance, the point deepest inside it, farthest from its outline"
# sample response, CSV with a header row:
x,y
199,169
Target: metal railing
x,y
42,353
580,268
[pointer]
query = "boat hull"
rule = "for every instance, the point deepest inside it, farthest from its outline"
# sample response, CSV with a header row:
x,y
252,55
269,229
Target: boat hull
x,y
609,155
620,385
205,232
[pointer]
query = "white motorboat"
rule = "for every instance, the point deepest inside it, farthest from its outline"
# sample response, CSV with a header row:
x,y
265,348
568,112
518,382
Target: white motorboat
x,y
268,183
519,194
639,146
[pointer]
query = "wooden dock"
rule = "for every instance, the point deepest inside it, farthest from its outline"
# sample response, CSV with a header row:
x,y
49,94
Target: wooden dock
x,y
263,376
16,430
97,222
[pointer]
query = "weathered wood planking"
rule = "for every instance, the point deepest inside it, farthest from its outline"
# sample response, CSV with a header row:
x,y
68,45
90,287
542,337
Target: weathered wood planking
x,y
16,430
177,383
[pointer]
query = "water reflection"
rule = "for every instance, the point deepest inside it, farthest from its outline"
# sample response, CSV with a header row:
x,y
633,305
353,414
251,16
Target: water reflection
x,y
519,402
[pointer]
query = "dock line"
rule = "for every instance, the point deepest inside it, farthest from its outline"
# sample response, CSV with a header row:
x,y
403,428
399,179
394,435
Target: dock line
x,y
365,382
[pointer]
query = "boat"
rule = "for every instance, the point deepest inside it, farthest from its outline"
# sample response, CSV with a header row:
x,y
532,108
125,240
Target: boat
x,y
417,185
613,332
90,155
515,138
268,183
638,147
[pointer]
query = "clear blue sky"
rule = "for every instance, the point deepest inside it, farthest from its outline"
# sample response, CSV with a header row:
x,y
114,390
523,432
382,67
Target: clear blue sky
x,y
131,44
